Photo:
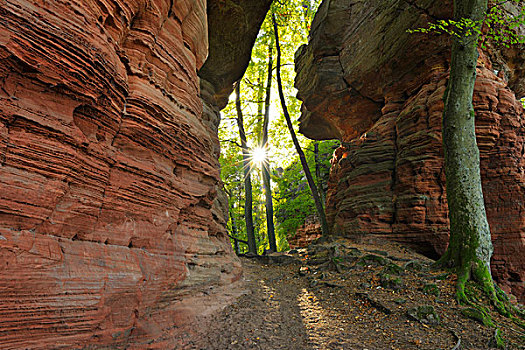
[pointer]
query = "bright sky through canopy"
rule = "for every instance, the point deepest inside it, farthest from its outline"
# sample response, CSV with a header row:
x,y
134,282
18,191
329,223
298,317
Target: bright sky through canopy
x,y
258,155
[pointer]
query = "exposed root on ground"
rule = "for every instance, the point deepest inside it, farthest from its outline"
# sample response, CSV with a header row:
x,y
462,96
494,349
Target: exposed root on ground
x,y
474,287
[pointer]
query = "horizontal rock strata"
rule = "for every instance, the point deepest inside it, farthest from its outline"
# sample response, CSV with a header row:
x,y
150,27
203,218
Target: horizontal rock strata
x,y
365,80
306,233
109,235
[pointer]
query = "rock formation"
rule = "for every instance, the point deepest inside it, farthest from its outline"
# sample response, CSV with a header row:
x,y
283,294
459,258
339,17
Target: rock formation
x,y
306,233
365,80
234,25
111,230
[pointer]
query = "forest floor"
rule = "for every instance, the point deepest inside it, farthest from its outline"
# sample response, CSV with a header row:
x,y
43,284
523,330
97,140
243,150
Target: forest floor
x,y
342,295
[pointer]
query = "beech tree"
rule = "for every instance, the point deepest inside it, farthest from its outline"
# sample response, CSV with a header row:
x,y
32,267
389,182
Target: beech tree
x,y
470,247
266,164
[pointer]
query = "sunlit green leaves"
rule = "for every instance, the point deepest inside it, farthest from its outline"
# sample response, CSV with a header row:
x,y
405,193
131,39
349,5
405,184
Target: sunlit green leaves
x,y
294,18
503,21
500,25
293,199
463,28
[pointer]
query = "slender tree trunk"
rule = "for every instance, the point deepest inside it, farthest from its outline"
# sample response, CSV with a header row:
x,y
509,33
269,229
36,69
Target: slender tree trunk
x,y
318,172
306,169
248,203
470,246
234,233
266,164
260,103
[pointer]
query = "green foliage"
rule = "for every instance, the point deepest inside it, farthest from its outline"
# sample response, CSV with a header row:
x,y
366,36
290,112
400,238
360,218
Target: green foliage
x,y
293,198
500,25
461,28
294,18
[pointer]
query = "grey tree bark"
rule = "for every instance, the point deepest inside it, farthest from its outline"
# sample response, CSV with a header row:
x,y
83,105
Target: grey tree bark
x,y
470,247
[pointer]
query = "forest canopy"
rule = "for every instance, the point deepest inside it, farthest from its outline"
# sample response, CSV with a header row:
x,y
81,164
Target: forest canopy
x,y
291,195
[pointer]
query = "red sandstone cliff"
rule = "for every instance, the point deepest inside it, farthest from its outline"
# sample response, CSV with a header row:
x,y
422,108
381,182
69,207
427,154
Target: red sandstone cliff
x,y
366,81
111,233
306,233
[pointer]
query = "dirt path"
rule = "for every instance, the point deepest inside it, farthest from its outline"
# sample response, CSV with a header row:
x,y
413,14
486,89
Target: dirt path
x,y
332,310
277,313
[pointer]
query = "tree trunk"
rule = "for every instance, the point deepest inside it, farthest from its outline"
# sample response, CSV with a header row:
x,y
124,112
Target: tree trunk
x,y
248,206
470,246
318,172
306,169
234,232
266,164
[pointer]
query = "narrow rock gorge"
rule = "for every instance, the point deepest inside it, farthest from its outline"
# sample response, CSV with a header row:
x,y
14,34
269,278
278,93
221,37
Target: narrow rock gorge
x,y
112,230
366,81
112,218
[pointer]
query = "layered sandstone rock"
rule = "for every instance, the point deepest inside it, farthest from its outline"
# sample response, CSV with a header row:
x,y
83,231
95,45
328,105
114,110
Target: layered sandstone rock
x,y
111,233
365,80
306,233
234,25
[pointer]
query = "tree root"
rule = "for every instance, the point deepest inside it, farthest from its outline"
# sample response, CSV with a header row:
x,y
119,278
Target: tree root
x,y
458,343
373,302
479,273
498,339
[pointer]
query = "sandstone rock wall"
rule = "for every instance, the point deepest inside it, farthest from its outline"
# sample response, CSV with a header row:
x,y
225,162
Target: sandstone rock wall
x,y
110,231
306,233
365,80
234,26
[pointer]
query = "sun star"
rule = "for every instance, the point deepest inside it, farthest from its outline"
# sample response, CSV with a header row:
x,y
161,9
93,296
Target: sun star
x,y
258,155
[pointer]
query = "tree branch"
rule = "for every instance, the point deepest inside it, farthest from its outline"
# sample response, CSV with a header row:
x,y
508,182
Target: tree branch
x,y
237,239
232,141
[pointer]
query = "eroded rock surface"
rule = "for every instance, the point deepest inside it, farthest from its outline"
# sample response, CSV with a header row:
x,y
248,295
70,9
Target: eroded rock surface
x,y
111,233
306,233
365,80
234,25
